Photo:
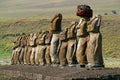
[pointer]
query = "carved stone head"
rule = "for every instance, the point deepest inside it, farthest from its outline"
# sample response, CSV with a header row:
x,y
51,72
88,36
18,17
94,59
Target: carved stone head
x,y
94,24
56,23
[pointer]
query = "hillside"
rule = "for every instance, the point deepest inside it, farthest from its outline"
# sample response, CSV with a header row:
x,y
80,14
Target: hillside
x,y
34,8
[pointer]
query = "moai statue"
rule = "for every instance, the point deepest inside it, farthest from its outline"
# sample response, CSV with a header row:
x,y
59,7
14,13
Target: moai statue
x,y
62,48
23,46
55,29
47,43
72,44
31,45
94,45
29,49
40,50
26,48
85,12
16,50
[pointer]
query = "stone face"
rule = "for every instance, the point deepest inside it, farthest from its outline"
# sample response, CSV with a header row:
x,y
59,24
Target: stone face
x,y
55,25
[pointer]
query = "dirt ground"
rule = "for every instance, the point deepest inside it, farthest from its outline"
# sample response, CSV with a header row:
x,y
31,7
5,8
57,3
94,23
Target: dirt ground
x,y
66,73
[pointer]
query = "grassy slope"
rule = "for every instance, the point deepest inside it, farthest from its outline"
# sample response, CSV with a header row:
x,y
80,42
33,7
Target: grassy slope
x,y
111,39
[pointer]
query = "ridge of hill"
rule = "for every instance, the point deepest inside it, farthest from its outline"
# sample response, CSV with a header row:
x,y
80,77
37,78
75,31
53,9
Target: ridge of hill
x,y
31,8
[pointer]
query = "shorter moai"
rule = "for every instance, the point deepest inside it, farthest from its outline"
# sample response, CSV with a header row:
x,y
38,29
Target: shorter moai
x,y
72,44
40,49
55,29
33,45
31,48
23,45
48,38
27,36
94,45
62,48
16,50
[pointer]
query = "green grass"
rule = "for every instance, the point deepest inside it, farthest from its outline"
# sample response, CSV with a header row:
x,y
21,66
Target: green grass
x,y
111,36
112,62
6,47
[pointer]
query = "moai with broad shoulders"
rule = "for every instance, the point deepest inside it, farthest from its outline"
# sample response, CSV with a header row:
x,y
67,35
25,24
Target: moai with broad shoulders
x,y
48,38
72,44
31,49
55,29
16,50
23,46
62,48
94,45
40,49
27,36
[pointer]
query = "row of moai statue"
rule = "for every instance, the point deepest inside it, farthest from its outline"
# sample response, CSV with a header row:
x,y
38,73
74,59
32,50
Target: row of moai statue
x,y
80,44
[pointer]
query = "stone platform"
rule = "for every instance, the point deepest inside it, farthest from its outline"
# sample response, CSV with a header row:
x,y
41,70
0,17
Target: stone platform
x,y
28,72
